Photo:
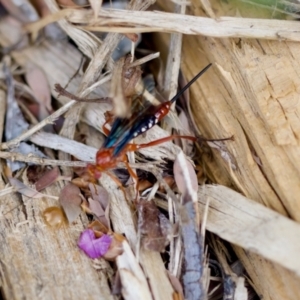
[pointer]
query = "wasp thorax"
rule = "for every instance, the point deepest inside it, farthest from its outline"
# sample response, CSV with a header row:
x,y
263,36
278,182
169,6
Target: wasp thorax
x,y
104,157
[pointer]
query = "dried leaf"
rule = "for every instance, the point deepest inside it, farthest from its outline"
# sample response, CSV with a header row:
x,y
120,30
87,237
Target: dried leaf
x,y
38,82
70,201
24,190
97,210
116,247
54,216
99,194
98,227
99,205
35,172
47,179
155,228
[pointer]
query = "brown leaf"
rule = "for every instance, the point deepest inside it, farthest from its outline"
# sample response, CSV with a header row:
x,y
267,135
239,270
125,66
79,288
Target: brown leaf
x,y
47,179
99,194
35,172
70,201
98,227
154,226
116,247
99,205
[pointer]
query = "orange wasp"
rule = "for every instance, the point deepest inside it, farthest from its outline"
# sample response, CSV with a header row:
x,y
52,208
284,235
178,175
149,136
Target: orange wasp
x,y
124,130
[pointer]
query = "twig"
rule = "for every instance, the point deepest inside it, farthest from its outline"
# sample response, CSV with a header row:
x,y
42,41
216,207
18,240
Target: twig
x,y
14,156
59,89
143,60
49,120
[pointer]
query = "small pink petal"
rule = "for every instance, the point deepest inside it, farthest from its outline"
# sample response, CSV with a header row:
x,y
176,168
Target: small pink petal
x,y
93,247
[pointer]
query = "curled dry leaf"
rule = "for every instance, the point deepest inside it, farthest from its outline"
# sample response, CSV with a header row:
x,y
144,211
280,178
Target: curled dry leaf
x,y
98,228
70,200
116,247
24,189
54,216
155,228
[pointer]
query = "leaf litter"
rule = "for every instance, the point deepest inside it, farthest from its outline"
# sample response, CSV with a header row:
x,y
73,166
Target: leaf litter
x,y
160,229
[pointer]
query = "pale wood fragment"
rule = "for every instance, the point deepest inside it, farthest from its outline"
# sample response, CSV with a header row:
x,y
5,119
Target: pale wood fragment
x,y
124,221
39,262
157,21
251,93
237,99
252,226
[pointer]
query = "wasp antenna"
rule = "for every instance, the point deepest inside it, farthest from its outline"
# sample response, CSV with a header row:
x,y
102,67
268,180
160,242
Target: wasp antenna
x,y
190,83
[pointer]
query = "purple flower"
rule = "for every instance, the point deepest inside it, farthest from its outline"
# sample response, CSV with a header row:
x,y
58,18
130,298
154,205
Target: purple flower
x,y
92,246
